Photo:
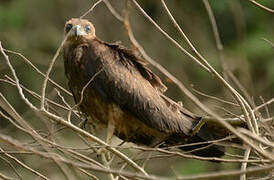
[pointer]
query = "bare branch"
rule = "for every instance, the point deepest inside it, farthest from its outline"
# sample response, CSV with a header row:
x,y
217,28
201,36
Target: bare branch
x,y
261,6
37,70
244,164
240,99
4,177
126,161
16,79
94,138
269,42
44,86
24,165
91,9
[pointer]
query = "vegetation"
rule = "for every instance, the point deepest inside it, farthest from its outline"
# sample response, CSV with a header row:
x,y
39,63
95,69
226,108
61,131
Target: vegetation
x,y
228,76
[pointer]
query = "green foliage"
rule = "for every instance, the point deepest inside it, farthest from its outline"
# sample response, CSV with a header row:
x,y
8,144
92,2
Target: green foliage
x,y
13,15
35,28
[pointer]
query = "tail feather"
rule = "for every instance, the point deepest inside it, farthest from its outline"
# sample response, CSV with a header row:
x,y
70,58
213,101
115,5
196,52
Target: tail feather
x,y
204,149
200,145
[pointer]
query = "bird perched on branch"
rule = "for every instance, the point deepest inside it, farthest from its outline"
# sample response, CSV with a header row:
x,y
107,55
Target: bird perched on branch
x,y
116,90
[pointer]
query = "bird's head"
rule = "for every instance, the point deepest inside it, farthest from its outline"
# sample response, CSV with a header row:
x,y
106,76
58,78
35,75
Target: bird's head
x,y
79,30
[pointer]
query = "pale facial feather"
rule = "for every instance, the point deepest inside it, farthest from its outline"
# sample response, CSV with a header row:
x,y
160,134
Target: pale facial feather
x,y
79,30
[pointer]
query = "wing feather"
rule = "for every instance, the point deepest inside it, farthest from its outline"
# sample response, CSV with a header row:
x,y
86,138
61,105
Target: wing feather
x,y
129,56
127,82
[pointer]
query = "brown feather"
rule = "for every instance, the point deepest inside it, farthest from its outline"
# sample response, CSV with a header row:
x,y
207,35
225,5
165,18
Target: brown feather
x,y
129,56
125,91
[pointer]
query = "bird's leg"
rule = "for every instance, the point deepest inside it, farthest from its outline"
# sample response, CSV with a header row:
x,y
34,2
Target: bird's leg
x,y
105,155
110,132
109,135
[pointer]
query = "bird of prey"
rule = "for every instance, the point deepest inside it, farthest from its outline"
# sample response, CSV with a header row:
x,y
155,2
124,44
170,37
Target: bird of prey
x,y
116,90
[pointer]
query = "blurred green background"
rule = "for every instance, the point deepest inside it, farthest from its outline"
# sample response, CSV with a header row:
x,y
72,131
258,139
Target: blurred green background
x,y
35,29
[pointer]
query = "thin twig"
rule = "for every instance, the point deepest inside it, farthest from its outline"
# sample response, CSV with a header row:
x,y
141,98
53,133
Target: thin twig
x,y
88,174
44,85
251,120
94,138
261,6
16,79
24,165
264,104
269,42
231,173
85,87
113,11
12,166
4,177
170,38
91,9
203,107
244,164
84,163
34,94
179,154
265,107
37,70
243,104
106,163
215,98
256,137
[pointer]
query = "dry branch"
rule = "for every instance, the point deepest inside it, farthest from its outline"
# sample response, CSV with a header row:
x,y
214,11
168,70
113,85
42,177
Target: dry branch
x,y
46,145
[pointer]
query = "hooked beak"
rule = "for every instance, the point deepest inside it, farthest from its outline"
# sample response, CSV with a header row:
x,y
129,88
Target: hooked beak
x,y
78,31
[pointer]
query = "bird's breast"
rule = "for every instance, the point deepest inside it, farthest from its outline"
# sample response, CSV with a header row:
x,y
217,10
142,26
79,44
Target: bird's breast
x,y
93,101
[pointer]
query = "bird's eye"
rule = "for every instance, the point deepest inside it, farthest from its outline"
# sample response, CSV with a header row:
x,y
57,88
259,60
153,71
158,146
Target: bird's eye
x,y
68,27
87,28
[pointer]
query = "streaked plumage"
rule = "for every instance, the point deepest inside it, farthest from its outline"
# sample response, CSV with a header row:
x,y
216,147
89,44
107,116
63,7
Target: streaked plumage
x,y
124,93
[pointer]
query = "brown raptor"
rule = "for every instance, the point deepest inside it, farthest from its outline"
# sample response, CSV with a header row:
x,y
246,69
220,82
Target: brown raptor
x,y
124,95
